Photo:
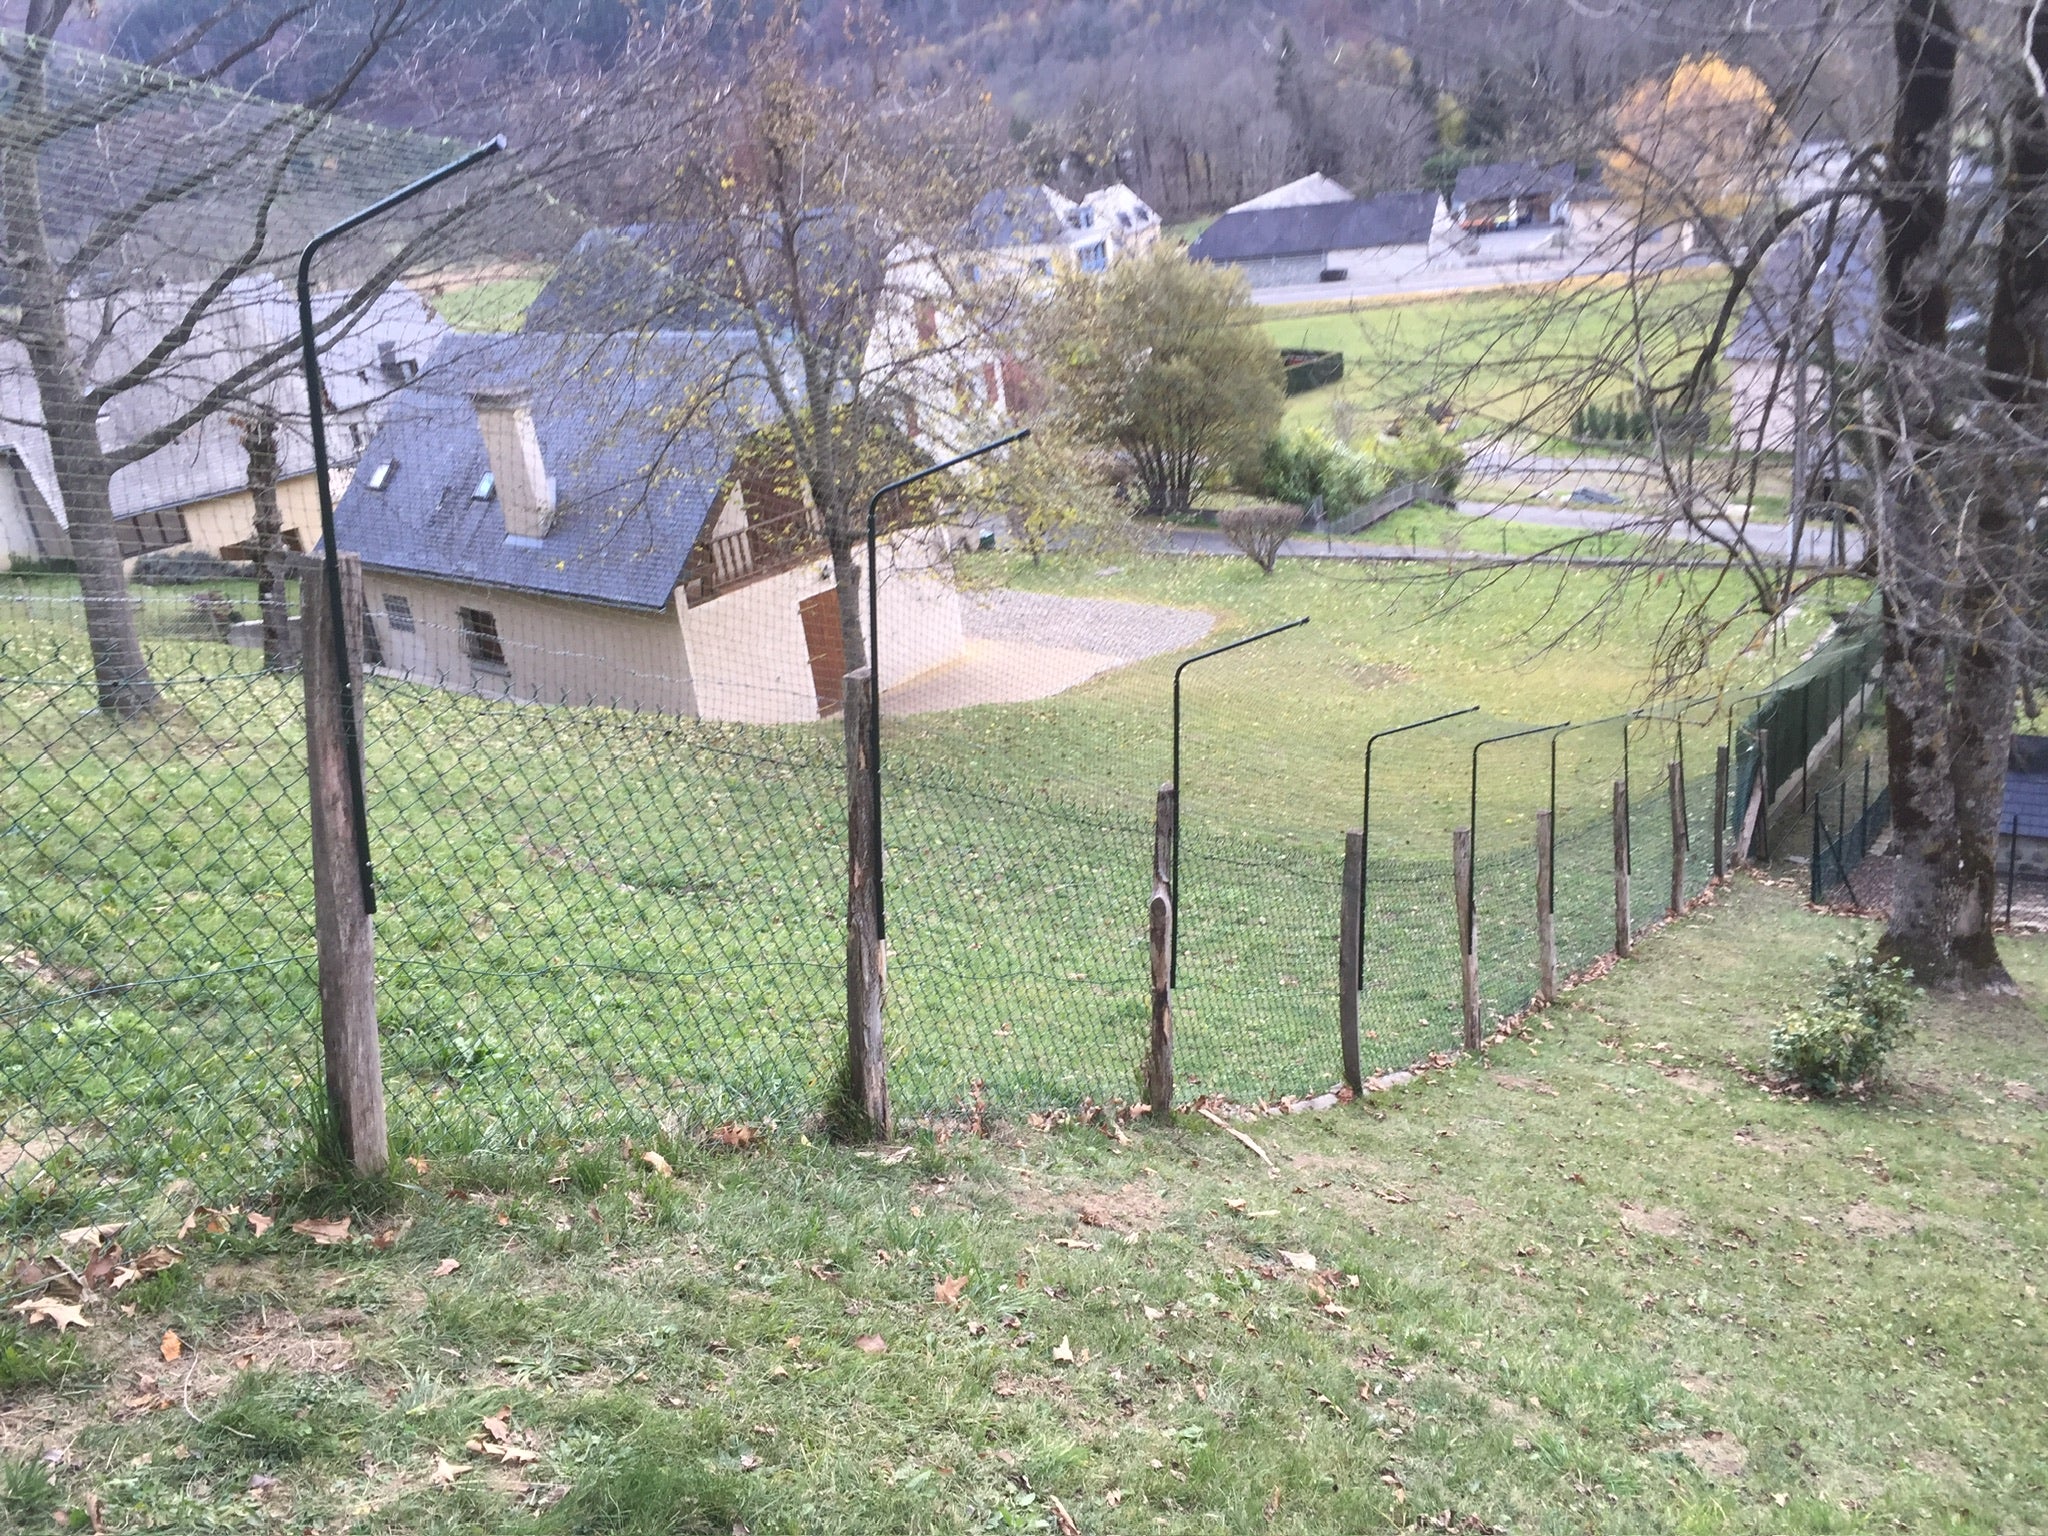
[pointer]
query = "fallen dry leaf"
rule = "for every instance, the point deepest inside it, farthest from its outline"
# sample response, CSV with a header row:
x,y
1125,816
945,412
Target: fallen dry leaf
x,y
90,1237
871,1344
445,1472
172,1347
45,1309
1077,1242
658,1163
1063,1352
1296,1260
446,1268
325,1234
1153,1314
749,1462
947,1292
499,1426
259,1223
1063,1520
736,1136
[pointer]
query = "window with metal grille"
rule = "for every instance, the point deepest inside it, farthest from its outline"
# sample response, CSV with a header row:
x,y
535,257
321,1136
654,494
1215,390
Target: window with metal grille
x,y
480,642
398,613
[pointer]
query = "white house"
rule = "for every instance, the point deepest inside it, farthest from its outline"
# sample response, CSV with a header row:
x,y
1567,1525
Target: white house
x,y
1304,233
1047,233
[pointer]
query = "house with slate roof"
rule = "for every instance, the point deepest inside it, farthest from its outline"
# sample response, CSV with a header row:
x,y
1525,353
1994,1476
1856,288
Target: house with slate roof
x,y
1329,239
1047,233
194,491
573,518
1512,194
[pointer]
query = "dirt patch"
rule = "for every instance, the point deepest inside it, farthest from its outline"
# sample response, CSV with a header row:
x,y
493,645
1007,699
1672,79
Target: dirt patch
x,y
1366,676
1654,1221
1867,1220
1131,1208
27,1157
1718,1455
2021,1093
1525,1084
1690,1080
1939,1465
1698,1385
1760,1140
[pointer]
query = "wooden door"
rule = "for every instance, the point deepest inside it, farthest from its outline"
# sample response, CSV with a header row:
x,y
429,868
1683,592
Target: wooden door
x,y
827,649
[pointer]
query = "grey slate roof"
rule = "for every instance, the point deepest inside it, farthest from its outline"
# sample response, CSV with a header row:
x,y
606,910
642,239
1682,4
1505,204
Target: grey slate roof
x,y
2026,788
1801,290
1016,216
1256,234
1512,178
638,433
251,317
673,277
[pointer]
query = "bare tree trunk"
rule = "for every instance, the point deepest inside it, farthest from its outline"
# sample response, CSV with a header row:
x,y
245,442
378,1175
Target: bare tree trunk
x,y
2016,375
1913,206
259,441
84,478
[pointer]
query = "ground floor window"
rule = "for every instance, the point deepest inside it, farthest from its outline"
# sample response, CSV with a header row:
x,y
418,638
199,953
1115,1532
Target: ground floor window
x,y
480,642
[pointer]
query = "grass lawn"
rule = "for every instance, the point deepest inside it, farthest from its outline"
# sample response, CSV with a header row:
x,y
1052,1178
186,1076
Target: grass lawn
x,y
602,923
1595,1282
1523,358
494,304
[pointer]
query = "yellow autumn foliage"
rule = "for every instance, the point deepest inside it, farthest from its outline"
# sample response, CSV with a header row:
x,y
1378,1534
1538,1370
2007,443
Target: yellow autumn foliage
x,y
1703,141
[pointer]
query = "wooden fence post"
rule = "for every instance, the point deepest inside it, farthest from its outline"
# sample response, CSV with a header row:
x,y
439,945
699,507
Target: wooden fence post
x,y
1468,938
1351,957
1621,918
1546,920
867,1084
1721,813
344,934
1159,1052
1681,836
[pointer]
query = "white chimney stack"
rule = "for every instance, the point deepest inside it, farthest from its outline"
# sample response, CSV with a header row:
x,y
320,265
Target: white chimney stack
x,y
525,489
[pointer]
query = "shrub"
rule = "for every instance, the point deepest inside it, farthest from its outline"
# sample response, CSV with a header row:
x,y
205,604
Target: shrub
x,y
1421,452
1840,1041
1298,467
1259,531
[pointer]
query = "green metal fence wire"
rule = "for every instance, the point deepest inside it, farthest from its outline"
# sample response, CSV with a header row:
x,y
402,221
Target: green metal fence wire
x,y
600,922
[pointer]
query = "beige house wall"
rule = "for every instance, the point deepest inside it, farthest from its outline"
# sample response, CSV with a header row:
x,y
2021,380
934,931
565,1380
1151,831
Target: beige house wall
x,y
747,653
556,652
1762,402
219,521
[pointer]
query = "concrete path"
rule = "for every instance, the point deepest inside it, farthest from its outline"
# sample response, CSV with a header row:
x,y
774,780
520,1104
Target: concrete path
x,y
1032,645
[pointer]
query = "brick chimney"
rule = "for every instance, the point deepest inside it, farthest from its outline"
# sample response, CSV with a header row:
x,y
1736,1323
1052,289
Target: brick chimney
x,y
525,489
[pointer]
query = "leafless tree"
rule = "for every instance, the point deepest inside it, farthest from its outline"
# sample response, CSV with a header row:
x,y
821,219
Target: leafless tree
x,y
145,206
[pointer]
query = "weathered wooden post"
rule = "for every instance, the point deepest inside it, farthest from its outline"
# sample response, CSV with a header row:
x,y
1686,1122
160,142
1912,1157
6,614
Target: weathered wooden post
x,y
1721,813
867,1084
344,934
1681,837
1621,919
1468,937
1546,920
1159,1051
1351,957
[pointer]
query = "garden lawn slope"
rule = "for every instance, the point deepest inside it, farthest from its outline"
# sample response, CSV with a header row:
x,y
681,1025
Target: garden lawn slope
x,y
1595,1282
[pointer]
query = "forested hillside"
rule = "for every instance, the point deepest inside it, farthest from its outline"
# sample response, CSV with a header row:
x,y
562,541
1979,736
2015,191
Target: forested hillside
x,y
1197,103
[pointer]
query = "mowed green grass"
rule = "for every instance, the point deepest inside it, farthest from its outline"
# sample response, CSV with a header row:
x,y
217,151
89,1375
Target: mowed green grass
x,y
1523,359
1596,1281
597,921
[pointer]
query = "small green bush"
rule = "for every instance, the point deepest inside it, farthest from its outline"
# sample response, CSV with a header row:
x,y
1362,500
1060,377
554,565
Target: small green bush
x,y
1840,1041
1300,466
